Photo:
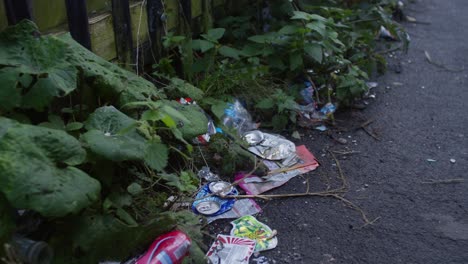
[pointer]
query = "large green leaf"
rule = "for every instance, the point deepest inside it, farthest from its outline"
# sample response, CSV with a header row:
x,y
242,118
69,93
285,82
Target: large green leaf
x,y
314,50
202,45
295,61
10,94
36,170
44,57
184,88
110,81
191,120
156,155
113,135
289,29
230,52
306,16
105,237
214,34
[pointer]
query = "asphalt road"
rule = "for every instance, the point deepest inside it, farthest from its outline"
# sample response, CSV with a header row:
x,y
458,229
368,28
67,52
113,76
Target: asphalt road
x,y
420,206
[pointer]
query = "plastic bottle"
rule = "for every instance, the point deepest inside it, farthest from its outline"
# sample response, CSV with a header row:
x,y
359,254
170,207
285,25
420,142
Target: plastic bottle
x,y
32,252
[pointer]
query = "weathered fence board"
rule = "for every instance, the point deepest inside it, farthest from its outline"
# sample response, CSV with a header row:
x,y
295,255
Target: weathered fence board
x,y
114,29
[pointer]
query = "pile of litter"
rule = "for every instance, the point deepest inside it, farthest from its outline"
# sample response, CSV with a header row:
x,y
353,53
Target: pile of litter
x,y
217,199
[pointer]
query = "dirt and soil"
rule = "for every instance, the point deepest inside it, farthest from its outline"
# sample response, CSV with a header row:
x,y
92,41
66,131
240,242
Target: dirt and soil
x,y
420,207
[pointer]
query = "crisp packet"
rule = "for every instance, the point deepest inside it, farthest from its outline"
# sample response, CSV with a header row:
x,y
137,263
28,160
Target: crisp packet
x,y
249,227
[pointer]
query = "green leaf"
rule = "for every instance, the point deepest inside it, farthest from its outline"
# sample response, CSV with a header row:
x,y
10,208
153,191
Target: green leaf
x,y
55,122
266,103
168,121
58,83
182,182
126,217
108,80
191,120
262,39
186,89
295,61
202,45
215,33
279,122
306,16
42,56
318,27
288,29
73,126
176,114
105,139
172,179
156,156
218,108
36,170
252,49
230,52
119,199
134,189
277,63
10,93
104,237
314,50
151,115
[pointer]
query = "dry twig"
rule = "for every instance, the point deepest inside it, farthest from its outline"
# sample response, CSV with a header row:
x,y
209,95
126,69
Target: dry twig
x,y
334,193
448,181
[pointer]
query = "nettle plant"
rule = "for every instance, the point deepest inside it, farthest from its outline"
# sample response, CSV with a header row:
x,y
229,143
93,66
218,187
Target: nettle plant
x,y
334,46
217,69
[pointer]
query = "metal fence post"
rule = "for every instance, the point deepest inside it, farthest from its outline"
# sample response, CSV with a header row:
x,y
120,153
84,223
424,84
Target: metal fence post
x,y
78,23
17,10
123,32
155,12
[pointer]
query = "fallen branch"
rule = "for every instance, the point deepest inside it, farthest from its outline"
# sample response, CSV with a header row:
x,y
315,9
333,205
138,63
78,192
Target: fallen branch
x,y
335,193
339,152
429,59
364,125
448,181
344,182
370,133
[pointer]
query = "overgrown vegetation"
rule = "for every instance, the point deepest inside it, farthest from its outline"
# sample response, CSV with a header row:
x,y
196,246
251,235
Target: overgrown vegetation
x,y
85,146
92,152
333,45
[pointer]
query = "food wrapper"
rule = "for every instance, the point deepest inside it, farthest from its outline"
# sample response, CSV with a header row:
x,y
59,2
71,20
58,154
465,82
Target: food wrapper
x,y
249,227
231,250
241,207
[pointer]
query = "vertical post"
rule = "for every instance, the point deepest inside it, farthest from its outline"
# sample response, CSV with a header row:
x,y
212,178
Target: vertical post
x,y
123,32
17,10
155,11
78,23
207,14
187,12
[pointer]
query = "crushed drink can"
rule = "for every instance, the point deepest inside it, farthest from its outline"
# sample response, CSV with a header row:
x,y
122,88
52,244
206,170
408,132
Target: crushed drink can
x,y
212,205
221,187
170,248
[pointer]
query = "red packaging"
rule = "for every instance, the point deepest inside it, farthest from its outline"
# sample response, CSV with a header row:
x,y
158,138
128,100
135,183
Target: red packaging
x,y
170,248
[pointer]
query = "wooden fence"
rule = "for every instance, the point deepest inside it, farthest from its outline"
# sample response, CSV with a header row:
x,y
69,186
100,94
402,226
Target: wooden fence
x,y
114,29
